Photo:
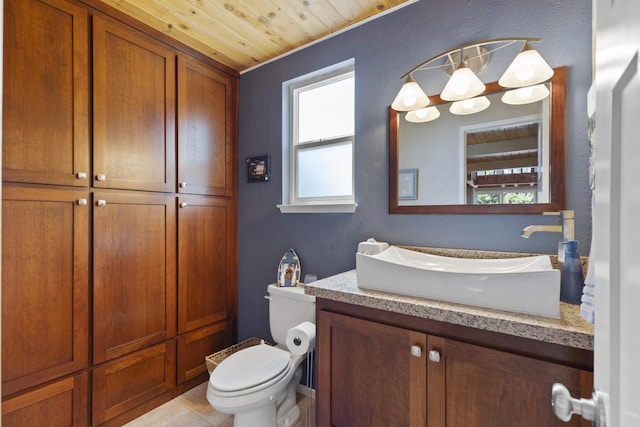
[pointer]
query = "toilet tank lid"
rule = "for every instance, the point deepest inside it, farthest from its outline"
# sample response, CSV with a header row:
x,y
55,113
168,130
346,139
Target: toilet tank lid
x,y
296,292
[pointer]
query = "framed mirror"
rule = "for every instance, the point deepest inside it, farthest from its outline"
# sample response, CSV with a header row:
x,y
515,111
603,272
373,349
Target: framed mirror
x,y
507,159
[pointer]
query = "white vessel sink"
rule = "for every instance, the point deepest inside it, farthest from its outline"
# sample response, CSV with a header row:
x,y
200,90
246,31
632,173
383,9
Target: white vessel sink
x,y
523,285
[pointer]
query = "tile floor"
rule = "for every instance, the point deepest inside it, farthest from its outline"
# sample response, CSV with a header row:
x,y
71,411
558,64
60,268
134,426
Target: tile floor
x,y
192,409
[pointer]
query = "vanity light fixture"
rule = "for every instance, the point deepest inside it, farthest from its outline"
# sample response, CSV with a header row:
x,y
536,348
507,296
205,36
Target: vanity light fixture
x,y
470,106
423,115
410,97
526,71
525,95
463,84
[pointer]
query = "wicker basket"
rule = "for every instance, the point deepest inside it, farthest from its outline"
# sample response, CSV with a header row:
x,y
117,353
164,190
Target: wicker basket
x,y
214,359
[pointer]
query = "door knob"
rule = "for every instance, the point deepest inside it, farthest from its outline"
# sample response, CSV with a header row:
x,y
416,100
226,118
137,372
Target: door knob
x,y
434,356
564,406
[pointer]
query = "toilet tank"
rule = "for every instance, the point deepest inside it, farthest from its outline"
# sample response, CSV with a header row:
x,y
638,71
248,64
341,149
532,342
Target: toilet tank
x,y
288,307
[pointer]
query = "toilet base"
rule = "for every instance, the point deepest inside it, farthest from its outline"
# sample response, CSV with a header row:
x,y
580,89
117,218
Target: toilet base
x,y
279,411
260,416
288,411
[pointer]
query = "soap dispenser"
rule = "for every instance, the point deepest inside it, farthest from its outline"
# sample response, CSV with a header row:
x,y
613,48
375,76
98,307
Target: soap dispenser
x,y
572,279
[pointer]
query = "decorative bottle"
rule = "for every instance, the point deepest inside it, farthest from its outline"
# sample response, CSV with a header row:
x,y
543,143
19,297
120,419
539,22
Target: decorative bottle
x,y
572,279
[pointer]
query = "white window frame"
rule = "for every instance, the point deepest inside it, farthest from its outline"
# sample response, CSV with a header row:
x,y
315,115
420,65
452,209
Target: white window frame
x,y
290,147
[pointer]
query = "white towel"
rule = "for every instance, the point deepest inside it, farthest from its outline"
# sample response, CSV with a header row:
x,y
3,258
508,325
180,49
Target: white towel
x,y
587,307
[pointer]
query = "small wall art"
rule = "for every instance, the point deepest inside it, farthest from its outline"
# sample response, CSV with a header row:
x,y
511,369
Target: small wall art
x,y
258,168
408,184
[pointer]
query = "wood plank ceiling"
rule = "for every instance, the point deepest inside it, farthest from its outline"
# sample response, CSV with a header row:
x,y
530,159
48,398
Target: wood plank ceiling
x,y
245,33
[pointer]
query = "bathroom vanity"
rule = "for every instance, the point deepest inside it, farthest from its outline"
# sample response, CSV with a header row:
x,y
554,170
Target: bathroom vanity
x,y
393,360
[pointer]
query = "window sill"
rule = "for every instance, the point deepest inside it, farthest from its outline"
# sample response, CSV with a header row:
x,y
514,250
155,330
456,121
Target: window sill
x,y
319,208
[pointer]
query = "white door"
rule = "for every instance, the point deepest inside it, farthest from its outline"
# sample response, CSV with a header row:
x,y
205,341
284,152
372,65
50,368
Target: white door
x,y
617,211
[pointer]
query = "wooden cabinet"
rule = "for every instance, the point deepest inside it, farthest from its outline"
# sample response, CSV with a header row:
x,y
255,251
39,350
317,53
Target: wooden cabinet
x,y
206,261
371,373
97,266
368,376
133,109
45,289
60,403
122,384
45,126
134,285
471,384
207,279
194,346
206,129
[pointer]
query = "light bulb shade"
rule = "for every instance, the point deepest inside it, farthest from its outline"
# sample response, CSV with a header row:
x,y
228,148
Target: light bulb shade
x,y
470,106
422,115
463,84
525,95
528,68
410,97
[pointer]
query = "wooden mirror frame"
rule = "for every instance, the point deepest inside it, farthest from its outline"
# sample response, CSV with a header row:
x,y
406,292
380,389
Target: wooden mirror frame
x,y
556,159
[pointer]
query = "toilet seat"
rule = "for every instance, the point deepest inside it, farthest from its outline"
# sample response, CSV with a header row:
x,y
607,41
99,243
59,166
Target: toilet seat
x,y
249,370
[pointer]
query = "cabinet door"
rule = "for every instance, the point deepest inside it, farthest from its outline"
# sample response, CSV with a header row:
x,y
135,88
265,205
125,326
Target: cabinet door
x,y
207,277
134,268
194,346
45,132
45,263
61,403
206,129
477,386
122,384
367,375
134,109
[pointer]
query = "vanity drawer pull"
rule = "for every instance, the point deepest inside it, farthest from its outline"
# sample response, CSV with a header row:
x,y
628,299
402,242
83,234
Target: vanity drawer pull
x,y
416,351
434,356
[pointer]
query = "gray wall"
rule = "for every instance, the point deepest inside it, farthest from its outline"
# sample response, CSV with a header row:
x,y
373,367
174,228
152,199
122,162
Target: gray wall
x,y
384,50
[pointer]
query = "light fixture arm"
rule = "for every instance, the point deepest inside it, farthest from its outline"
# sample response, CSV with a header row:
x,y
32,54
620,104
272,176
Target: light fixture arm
x,y
503,41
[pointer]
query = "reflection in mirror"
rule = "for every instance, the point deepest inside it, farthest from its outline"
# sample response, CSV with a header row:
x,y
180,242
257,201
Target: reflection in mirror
x,y
505,159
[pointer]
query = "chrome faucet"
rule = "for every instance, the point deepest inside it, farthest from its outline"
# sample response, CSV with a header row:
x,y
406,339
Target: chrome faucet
x,y
567,228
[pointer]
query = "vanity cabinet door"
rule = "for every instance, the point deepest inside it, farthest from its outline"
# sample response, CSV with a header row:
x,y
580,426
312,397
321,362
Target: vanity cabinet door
x,y
477,386
370,377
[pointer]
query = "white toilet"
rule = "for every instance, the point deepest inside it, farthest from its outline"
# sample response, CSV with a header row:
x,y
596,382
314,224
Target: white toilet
x,y
258,384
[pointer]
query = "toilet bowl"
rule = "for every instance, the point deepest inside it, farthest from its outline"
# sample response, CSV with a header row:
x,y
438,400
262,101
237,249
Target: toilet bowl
x,y
258,384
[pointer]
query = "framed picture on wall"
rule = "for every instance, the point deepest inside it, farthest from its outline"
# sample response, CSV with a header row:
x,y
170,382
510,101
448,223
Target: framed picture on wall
x,y
408,184
258,168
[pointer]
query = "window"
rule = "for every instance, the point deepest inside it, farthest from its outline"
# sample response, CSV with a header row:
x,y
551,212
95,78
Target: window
x,y
318,141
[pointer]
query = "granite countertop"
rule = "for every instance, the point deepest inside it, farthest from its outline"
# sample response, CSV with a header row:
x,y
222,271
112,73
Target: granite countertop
x,y
569,330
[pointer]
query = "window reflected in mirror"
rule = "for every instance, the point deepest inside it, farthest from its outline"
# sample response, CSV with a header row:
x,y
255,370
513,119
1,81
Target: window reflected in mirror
x,y
504,159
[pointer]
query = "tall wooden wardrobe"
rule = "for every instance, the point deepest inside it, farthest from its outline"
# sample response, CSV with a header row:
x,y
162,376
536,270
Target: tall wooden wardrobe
x,y
119,215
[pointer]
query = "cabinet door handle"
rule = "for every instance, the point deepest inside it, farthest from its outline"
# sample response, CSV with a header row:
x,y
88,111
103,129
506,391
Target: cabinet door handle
x,y
434,356
101,177
82,202
182,184
183,205
101,203
81,175
416,351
